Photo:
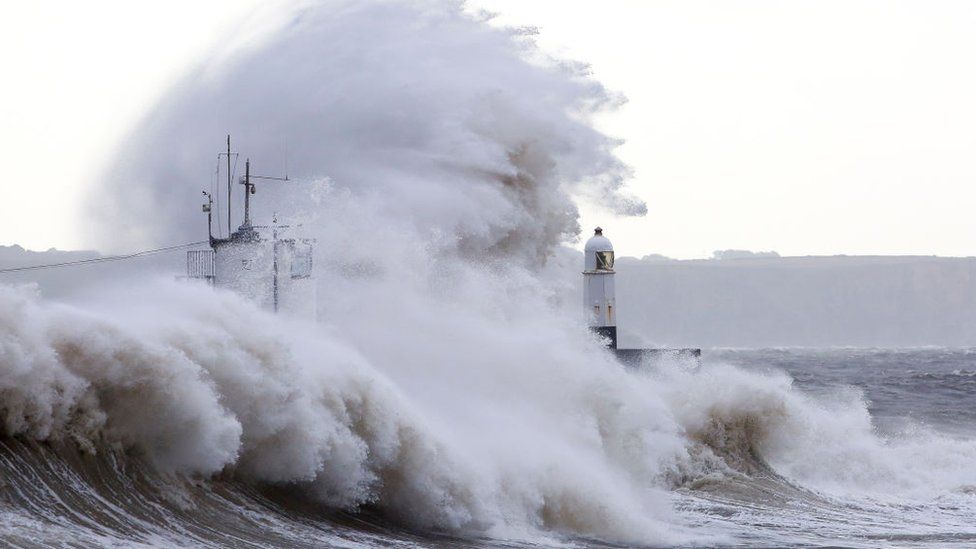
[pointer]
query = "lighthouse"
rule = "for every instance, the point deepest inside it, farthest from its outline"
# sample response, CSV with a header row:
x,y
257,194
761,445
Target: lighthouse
x,y
600,306
599,302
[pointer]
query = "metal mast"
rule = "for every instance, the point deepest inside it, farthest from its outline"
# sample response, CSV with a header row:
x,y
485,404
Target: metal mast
x,y
274,253
248,191
229,230
249,188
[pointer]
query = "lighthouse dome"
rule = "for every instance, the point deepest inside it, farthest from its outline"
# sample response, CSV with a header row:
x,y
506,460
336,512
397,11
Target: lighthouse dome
x,y
598,252
598,242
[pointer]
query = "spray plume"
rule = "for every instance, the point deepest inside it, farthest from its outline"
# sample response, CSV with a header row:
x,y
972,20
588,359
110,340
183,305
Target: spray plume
x,y
448,384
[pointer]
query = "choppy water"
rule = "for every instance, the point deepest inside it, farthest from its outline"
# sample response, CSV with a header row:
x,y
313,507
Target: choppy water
x,y
771,477
922,404
449,394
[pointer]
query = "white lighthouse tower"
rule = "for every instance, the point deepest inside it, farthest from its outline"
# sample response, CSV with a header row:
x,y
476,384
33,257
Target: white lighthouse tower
x,y
598,287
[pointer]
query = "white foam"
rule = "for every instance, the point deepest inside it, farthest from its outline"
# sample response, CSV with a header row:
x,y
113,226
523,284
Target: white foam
x,y
450,382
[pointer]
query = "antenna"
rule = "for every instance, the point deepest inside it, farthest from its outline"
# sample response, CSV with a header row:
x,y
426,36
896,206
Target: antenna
x,y
286,157
228,185
230,180
250,189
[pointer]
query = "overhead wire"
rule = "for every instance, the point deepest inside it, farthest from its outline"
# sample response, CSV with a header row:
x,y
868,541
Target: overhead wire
x,y
102,259
214,183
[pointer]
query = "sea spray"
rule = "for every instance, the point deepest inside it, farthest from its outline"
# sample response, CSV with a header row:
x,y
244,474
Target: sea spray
x,y
756,423
450,384
460,126
199,381
193,380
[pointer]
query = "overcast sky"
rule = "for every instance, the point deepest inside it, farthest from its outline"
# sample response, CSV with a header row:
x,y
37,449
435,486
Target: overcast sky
x,y
802,127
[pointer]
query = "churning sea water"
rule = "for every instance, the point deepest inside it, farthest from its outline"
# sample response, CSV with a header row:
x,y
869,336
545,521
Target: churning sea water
x,y
877,452
784,447
450,394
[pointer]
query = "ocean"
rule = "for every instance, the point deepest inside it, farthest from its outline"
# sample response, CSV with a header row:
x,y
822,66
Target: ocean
x,y
795,448
450,392
900,476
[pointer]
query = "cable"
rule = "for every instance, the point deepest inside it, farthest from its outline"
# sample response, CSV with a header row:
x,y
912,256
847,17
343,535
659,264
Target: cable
x,y
101,259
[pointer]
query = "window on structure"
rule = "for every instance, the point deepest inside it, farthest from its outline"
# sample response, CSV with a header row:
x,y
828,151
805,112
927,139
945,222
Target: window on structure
x,y
604,261
301,261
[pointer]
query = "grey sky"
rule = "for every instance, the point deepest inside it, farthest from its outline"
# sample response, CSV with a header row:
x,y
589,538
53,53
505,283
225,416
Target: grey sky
x,y
805,127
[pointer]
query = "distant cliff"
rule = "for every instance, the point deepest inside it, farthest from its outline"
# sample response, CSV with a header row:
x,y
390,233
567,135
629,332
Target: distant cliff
x,y
65,283
736,299
762,300
53,282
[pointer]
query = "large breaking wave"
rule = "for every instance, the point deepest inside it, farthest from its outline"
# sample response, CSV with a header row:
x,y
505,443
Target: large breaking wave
x,y
450,386
164,409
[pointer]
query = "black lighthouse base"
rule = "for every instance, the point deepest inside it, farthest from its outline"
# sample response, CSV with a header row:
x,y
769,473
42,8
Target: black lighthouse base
x,y
635,357
608,332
